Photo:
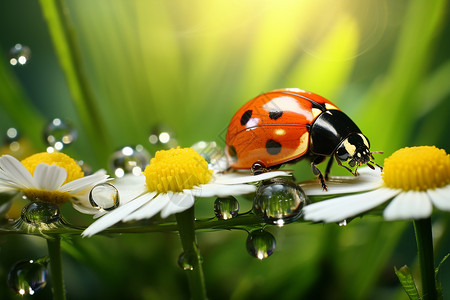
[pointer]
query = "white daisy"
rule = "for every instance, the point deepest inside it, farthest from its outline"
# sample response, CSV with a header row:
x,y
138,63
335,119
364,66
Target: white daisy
x,y
416,179
49,177
170,184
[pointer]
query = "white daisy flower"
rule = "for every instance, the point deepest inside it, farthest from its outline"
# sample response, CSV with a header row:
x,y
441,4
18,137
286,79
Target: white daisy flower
x,y
49,177
170,184
414,180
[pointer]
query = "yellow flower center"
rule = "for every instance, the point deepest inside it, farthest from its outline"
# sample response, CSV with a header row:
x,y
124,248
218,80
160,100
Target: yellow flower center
x,y
62,160
175,170
417,168
55,158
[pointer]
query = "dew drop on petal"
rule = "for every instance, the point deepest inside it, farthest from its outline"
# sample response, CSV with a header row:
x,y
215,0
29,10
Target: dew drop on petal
x,y
59,133
279,201
343,223
104,196
129,160
37,213
19,55
26,277
226,208
213,154
162,137
260,244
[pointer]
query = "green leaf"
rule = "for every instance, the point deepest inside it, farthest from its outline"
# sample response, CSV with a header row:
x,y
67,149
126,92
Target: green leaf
x,y
438,282
407,281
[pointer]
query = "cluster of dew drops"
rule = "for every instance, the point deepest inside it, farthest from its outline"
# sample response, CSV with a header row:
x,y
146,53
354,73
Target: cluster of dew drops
x,y
277,201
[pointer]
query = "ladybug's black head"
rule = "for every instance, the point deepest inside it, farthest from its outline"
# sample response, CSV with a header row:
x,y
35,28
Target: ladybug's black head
x,y
356,148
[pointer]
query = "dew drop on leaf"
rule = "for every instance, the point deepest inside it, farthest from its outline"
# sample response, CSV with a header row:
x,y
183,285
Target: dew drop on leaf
x,y
279,201
104,196
226,208
260,244
27,277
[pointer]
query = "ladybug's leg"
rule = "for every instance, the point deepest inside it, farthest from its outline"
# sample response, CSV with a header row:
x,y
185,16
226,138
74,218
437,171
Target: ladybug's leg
x,y
328,169
317,172
350,170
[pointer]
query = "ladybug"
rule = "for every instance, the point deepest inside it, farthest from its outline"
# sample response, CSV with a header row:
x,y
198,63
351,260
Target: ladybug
x,y
287,125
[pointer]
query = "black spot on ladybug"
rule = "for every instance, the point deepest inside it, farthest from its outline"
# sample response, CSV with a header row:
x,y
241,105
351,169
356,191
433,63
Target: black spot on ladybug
x,y
232,153
275,114
273,147
245,117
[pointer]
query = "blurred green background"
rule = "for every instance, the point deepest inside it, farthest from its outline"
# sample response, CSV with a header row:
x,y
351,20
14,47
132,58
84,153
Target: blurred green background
x,y
118,69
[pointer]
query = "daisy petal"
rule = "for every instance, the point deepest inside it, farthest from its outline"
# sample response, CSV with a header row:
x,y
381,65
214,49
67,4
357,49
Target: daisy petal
x,y
440,197
409,205
17,172
49,178
116,215
178,202
344,184
222,190
82,183
236,178
338,209
150,209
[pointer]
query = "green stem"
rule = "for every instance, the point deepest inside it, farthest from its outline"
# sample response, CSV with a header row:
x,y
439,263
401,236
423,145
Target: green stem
x,y
54,252
186,229
424,241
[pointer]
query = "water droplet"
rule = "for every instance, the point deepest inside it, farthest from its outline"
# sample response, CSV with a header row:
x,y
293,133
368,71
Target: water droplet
x,y
226,208
19,55
27,277
343,223
12,143
104,196
260,244
37,213
129,160
163,137
87,169
58,134
279,201
213,154
187,263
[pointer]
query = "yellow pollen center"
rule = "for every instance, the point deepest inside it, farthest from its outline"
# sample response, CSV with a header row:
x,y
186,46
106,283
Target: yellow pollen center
x,y
417,168
60,159
175,170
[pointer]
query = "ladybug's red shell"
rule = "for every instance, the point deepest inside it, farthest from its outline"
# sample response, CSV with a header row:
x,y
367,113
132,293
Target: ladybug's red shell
x,y
273,128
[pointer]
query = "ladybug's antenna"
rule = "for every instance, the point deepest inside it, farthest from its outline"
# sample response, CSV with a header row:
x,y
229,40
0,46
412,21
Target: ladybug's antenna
x,y
371,161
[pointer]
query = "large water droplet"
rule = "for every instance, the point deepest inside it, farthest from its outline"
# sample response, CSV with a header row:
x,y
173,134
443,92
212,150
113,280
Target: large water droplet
x,y
162,137
260,244
129,160
38,213
58,134
226,208
279,201
104,196
213,154
19,55
27,277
